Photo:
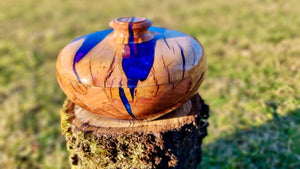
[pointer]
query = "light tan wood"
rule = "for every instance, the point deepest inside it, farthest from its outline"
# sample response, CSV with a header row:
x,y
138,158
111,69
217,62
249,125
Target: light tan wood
x,y
97,80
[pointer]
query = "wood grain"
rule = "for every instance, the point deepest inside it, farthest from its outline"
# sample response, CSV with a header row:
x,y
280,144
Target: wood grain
x,y
131,72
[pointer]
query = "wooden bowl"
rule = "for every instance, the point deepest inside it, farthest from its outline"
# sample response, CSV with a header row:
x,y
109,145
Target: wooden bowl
x,y
132,71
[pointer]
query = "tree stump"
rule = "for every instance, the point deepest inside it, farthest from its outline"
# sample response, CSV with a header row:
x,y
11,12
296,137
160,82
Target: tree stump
x,y
171,141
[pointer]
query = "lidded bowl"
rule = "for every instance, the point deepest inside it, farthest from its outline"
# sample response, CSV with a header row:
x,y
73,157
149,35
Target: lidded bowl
x,y
132,71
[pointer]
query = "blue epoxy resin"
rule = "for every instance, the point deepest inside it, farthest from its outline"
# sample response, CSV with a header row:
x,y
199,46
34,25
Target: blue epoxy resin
x,y
137,62
89,43
125,101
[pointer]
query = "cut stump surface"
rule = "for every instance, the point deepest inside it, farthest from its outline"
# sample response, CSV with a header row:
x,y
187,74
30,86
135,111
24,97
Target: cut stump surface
x,y
171,141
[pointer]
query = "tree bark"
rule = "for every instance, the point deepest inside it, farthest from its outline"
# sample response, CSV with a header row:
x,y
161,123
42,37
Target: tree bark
x,y
171,141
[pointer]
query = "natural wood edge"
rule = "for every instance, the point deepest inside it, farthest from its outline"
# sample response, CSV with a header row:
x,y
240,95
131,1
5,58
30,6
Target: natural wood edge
x,y
87,121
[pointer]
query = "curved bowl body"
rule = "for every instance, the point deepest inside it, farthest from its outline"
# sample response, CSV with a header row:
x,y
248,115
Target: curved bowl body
x,y
140,75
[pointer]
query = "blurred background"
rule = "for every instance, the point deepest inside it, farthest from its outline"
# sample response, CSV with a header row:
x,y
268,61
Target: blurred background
x,y
252,85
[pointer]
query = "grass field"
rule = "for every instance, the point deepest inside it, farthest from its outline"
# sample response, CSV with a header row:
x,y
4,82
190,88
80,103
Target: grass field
x,y
252,85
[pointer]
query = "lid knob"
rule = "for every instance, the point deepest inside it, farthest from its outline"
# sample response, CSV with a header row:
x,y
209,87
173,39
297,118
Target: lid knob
x,y
131,30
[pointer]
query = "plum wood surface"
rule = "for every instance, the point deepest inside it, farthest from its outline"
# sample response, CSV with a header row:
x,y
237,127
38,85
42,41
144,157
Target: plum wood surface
x,y
171,141
133,71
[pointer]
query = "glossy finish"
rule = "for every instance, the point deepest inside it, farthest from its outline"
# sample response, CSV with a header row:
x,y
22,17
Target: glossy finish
x,y
132,71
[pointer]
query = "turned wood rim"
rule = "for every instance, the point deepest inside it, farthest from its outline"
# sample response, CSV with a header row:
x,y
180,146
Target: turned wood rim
x,y
137,23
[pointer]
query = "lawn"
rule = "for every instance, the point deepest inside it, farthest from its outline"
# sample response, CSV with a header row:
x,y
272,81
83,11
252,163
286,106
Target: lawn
x,y
252,85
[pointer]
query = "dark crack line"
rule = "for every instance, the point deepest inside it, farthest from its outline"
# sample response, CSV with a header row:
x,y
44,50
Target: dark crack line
x,y
183,60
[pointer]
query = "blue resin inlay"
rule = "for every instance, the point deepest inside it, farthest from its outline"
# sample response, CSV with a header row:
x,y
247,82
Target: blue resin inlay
x,y
89,43
137,62
125,101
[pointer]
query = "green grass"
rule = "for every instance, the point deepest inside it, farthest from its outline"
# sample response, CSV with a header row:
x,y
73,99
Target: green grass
x,y
252,85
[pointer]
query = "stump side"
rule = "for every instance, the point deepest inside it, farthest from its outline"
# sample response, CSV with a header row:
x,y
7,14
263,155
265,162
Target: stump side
x,y
172,141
